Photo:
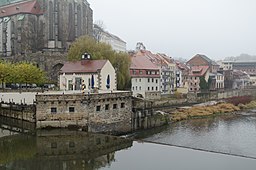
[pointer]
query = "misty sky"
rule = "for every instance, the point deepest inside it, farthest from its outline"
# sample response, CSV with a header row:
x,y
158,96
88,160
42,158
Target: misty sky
x,y
182,28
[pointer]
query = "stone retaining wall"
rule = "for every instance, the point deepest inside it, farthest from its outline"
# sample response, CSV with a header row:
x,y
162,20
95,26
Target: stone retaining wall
x,y
108,112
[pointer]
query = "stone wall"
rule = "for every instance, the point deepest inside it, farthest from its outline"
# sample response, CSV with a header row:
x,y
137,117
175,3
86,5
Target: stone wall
x,y
203,97
18,111
51,63
108,112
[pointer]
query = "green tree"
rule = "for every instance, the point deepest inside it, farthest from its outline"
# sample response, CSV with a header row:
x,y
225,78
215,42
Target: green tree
x,y
26,73
5,71
203,84
98,50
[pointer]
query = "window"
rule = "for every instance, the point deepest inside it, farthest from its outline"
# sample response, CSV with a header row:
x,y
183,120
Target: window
x,y
54,145
140,71
107,107
53,110
139,80
51,21
133,88
136,88
140,88
148,79
114,106
136,80
152,88
134,72
152,80
71,144
71,109
156,88
107,139
98,142
122,105
97,108
156,81
148,89
71,21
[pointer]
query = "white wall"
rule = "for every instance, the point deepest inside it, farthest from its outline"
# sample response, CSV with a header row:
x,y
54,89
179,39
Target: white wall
x,y
108,69
142,85
64,79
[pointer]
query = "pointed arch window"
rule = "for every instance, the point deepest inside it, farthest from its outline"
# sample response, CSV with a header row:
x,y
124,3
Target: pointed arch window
x,y
51,22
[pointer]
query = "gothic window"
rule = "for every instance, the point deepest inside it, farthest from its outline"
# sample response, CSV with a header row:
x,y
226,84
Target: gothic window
x,y
51,18
79,21
84,20
60,25
71,23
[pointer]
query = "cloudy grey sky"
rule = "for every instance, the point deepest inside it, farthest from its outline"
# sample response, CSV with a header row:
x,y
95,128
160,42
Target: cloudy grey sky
x,y
182,28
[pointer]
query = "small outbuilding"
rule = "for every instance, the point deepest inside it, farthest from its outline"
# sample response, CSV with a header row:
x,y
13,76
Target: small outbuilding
x,y
87,75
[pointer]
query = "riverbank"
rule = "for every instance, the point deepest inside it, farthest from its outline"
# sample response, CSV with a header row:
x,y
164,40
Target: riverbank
x,y
204,111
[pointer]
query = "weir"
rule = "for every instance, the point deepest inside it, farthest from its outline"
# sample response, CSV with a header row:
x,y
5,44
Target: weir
x,y
203,150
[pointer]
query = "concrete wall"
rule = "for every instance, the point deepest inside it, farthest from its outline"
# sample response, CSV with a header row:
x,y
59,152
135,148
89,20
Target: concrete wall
x,y
108,112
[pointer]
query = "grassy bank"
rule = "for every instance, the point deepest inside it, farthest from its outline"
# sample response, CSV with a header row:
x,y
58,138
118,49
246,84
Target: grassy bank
x,y
202,111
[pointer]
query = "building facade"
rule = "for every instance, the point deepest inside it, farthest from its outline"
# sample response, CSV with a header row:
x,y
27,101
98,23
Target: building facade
x,y
197,74
88,75
114,41
202,60
182,73
43,25
145,77
98,112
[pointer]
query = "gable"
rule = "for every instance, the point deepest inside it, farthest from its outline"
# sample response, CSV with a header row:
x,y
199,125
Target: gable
x,y
198,61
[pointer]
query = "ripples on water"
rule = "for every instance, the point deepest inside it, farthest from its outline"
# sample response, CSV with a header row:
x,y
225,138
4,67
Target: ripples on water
x,y
235,134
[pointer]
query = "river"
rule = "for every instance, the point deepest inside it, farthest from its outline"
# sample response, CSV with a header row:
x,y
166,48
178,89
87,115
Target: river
x,y
74,150
232,134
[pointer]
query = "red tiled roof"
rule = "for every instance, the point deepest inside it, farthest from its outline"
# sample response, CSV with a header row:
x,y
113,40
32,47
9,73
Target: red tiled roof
x,y
27,7
141,61
198,71
86,66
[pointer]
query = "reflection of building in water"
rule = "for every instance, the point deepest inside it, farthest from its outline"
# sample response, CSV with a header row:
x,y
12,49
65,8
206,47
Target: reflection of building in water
x,y
60,149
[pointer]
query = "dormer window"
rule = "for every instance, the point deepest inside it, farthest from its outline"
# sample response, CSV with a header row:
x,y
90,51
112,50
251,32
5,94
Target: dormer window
x,y
86,56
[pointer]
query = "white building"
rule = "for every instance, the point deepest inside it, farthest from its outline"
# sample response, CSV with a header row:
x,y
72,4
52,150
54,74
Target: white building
x,y
91,74
145,77
219,81
114,41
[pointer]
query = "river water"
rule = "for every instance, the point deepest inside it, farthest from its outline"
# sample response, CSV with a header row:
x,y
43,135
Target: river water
x,y
74,150
233,134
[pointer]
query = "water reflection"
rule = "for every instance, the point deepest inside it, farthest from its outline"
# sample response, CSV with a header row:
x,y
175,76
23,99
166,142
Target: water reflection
x,y
235,134
59,149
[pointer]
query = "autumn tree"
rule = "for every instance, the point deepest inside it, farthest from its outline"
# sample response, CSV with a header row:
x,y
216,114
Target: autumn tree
x,y
98,50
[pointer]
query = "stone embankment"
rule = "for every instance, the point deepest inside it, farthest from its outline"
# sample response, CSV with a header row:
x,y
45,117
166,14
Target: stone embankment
x,y
211,110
